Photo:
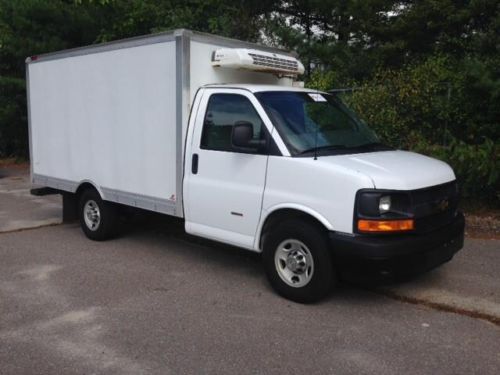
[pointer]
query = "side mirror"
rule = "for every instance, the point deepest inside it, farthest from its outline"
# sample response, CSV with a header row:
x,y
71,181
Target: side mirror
x,y
242,138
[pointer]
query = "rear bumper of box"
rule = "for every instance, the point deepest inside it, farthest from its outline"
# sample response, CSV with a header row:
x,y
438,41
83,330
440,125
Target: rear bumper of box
x,y
401,255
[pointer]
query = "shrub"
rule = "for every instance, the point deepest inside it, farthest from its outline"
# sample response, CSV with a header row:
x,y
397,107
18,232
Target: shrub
x,y
441,107
13,119
477,167
408,102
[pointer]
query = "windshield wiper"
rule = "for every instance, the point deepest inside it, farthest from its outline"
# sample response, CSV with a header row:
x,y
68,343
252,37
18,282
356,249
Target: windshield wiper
x,y
319,148
373,146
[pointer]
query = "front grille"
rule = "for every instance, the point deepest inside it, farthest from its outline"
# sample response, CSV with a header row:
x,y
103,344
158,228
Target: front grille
x,y
274,62
435,207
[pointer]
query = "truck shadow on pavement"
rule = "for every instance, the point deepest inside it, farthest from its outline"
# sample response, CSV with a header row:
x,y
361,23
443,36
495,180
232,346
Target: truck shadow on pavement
x,y
150,227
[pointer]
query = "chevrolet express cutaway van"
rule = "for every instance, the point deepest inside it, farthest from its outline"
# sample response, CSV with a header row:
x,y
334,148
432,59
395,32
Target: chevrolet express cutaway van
x,y
215,131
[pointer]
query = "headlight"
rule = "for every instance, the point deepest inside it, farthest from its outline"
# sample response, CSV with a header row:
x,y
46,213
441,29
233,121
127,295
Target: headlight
x,y
384,204
383,211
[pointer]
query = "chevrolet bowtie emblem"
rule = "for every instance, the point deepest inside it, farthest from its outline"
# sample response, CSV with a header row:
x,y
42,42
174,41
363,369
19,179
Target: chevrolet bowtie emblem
x,y
443,205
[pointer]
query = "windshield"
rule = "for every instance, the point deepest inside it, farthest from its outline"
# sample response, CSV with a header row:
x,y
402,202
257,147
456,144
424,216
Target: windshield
x,y
317,123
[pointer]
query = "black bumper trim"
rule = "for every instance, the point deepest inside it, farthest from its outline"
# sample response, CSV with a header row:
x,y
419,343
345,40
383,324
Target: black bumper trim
x,y
401,254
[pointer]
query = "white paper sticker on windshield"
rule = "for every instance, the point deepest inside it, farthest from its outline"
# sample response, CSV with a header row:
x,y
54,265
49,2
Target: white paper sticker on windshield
x,y
317,97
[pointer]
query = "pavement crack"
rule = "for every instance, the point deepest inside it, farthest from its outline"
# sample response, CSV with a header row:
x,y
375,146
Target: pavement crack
x,y
439,306
30,228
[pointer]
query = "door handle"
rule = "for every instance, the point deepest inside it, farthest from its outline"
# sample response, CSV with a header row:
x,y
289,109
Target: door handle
x,y
194,164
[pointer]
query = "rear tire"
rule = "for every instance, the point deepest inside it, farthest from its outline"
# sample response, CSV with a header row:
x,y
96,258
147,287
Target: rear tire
x,y
298,262
98,218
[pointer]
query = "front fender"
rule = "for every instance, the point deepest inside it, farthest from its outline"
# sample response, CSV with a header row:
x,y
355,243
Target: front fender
x,y
294,206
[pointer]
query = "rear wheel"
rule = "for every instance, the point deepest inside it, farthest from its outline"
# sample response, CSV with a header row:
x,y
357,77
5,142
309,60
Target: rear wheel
x,y
298,262
98,218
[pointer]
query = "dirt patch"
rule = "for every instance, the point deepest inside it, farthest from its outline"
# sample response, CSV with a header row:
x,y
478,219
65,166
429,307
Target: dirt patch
x,y
483,224
12,167
12,163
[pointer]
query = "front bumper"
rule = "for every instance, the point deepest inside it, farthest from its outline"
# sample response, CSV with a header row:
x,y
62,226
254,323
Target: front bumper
x,y
399,256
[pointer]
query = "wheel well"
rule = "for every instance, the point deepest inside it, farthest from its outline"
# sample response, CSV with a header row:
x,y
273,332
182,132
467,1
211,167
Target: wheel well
x,y
285,214
84,186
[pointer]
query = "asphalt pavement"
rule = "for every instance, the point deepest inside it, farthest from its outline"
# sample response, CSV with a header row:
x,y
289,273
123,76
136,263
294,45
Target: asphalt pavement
x,y
155,301
19,209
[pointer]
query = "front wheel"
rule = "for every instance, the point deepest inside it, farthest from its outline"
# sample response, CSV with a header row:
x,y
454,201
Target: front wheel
x,y
298,262
98,218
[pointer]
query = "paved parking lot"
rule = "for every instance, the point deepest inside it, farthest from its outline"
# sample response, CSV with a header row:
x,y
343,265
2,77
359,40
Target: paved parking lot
x,y
157,302
19,209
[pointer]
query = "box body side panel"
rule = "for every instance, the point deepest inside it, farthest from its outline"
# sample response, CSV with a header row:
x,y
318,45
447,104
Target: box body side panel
x,y
108,118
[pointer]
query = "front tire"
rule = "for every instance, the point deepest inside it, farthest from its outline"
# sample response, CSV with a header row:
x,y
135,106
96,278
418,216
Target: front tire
x,y
98,219
298,262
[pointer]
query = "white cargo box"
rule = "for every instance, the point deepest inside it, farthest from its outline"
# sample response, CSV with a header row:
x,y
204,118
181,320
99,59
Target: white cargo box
x,y
115,114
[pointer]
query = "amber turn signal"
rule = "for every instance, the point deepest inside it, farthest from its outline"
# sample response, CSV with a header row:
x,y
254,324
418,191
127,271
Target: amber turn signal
x,y
385,225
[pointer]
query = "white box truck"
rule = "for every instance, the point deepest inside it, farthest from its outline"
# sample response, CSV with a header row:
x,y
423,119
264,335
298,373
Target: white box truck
x,y
213,131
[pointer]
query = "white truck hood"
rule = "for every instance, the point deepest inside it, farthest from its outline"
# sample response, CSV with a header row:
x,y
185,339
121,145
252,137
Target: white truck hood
x,y
399,170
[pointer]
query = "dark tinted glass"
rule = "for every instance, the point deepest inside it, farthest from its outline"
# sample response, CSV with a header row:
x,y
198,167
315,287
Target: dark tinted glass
x,y
223,111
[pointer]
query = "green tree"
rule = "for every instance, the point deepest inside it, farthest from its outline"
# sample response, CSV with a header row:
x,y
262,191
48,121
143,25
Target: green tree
x,y
238,19
417,29
329,34
31,27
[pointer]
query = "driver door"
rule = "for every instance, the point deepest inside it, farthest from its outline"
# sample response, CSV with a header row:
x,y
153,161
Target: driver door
x,y
224,188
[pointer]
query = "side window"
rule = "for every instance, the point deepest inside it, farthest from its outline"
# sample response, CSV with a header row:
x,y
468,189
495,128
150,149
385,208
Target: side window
x,y
223,111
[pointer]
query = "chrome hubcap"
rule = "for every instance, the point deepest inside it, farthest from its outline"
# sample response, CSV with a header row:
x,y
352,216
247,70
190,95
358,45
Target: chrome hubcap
x,y
294,263
92,215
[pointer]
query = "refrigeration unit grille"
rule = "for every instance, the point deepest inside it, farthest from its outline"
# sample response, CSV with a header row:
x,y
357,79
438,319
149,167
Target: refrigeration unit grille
x,y
274,62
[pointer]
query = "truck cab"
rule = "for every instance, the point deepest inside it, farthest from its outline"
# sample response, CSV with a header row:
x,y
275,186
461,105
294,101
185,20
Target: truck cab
x,y
293,173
